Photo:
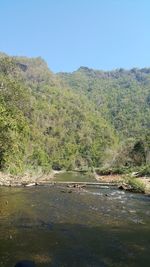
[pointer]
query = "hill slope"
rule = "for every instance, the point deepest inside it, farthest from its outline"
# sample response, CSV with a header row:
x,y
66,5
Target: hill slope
x,y
87,118
123,98
45,126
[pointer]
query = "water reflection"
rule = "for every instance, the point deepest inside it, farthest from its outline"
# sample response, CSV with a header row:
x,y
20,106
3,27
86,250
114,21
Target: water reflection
x,y
74,176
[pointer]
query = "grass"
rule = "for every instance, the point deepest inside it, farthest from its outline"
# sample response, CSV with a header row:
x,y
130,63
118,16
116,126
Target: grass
x,y
135,184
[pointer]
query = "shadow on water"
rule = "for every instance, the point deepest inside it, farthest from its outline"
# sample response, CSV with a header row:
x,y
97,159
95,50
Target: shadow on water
x,y
73,230
79,245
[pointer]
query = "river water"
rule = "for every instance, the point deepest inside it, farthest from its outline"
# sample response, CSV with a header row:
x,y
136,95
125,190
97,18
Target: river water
x,y
56,226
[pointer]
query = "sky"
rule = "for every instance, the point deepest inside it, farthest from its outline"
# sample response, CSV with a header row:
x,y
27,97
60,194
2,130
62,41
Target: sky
x,y
99,34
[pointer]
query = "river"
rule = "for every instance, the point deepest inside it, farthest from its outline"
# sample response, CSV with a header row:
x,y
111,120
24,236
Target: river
x,y
91,227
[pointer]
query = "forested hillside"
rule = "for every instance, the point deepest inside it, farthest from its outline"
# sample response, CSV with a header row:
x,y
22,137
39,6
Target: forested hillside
x,y
122,97
45,126
72,120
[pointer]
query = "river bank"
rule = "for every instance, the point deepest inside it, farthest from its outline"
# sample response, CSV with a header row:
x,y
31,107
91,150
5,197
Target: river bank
x,y
120,181
125,182
7,179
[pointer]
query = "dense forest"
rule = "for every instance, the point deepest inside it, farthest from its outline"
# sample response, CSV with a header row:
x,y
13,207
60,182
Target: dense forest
x,y
85,119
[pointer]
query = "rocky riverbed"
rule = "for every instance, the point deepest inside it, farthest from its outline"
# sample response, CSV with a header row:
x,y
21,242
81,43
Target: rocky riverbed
x,y
25,180
28,180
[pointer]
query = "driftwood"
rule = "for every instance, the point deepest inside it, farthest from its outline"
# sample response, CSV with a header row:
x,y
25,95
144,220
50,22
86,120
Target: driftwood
x,y
86,183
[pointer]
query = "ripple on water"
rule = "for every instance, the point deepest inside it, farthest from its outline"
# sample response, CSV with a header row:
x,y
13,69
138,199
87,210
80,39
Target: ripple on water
x,y
100,227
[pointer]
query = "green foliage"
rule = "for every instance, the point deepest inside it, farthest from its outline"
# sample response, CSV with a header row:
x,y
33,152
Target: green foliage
x,y
81,120
136,185
144,171
122,98
114,170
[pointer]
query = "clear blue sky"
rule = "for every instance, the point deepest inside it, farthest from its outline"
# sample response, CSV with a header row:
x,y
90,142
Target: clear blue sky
x,y
101,34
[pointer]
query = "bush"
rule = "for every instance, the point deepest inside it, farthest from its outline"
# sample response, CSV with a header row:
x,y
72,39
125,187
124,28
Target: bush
x,y
136,185
145,170
110,171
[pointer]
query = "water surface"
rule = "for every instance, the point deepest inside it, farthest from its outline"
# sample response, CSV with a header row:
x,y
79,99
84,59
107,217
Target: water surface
x,y
92,227
74,177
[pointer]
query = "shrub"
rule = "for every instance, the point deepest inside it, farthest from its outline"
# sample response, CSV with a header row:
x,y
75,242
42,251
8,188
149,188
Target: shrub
x,y
136,185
